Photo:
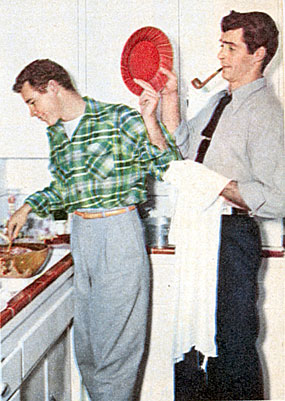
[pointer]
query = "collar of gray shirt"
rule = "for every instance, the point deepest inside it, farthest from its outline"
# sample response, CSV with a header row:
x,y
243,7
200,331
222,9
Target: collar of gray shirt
x,y
242,93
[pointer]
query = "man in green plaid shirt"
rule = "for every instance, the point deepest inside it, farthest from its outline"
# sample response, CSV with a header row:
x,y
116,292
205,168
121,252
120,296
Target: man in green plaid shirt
x,y
100,155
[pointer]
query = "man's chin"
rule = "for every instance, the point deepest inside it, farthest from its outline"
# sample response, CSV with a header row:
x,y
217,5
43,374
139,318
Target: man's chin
x,y
225,75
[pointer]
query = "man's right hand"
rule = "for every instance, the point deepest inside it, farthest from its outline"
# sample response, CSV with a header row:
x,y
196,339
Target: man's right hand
x,y
17,220
170,114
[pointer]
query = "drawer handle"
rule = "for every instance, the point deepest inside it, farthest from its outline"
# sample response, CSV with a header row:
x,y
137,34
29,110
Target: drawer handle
x,y
4,389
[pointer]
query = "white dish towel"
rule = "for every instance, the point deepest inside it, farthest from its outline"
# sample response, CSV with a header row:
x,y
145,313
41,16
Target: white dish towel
x,y
195,230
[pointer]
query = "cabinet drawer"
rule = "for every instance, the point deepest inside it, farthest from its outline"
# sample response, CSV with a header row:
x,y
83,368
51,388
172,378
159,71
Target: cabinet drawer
x,y
11,374
47,330
16,396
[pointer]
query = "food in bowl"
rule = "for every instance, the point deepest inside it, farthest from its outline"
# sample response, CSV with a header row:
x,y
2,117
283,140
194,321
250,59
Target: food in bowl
x,y
22,260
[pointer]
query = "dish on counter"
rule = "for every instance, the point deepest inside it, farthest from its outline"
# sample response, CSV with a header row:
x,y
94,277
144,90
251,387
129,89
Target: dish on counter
x,y
23,260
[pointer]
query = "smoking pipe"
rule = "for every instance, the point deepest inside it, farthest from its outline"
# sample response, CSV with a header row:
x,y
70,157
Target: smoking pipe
x,y
198,84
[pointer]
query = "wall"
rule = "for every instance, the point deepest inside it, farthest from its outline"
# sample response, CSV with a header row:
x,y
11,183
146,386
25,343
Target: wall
x,y
87,37
199,45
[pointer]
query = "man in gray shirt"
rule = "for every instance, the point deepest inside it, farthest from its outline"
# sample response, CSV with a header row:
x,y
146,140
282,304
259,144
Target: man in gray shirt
x,y
247,147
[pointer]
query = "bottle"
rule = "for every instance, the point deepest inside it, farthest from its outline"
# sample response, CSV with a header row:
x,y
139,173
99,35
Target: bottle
x,y
11,205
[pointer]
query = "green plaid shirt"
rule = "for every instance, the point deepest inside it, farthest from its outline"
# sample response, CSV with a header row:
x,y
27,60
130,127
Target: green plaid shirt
x,y
105,163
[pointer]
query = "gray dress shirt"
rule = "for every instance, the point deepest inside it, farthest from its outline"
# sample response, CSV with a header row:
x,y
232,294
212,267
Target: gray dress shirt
x,y
247,145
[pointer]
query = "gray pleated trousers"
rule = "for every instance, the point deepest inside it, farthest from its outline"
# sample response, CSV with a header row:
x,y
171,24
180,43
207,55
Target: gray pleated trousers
x,y
111,301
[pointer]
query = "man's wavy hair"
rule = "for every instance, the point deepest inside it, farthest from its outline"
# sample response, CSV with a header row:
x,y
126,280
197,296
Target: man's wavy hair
x,y
40,72
259,29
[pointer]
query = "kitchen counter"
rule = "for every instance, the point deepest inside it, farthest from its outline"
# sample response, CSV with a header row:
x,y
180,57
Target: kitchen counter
x,y
17,293
35,321
51,290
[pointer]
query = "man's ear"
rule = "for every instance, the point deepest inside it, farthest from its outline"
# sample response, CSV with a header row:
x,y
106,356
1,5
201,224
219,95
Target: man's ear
x,y
260,54
53,86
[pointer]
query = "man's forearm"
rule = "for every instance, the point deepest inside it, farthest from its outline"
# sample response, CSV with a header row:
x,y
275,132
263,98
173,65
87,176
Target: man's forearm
x,y
170,112
231,192
155,134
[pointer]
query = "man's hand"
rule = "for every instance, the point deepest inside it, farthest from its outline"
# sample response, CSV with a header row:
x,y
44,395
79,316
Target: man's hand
x,y
231,193
17,220
171,86
148,100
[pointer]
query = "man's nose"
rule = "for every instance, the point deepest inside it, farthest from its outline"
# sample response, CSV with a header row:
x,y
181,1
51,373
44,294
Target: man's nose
x,y
33,112
221,53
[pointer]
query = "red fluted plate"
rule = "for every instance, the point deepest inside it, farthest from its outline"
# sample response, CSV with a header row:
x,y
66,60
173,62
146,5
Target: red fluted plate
x,y
144,53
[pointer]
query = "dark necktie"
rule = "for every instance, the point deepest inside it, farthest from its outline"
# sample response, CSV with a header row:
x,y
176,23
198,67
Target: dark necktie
x,y
210,128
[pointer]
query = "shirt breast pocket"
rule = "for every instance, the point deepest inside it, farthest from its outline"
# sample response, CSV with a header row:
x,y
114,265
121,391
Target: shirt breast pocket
x,y
100,159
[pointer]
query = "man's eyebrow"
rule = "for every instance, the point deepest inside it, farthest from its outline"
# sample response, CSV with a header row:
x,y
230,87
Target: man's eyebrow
x,y
228,43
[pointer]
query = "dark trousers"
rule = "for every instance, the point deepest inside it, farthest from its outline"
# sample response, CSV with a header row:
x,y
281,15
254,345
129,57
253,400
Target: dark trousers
x,y
236,373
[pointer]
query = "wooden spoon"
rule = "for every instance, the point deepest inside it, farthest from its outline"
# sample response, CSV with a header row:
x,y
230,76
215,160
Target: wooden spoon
x,y
9,247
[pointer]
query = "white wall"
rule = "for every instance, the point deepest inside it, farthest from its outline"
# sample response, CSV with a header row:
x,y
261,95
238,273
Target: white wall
x,y
199,45
87,37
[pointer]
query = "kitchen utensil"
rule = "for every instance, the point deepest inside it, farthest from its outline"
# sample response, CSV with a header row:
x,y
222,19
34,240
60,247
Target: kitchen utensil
x,y
156,231
144,53
23,265
9,246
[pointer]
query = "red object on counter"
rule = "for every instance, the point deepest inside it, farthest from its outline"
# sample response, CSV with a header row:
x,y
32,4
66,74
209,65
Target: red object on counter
x,y
59,239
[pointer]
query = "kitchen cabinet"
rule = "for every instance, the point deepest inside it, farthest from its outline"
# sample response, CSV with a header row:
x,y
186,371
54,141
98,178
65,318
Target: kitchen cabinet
x,y
11,373
271,344
33,387
50,378
29,31
59,379
16,397
158,383
158,380
36,346
88,37
108,27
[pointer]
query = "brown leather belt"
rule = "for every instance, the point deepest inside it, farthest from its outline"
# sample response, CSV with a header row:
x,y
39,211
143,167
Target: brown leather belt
x,y
234,211
239,212
108,213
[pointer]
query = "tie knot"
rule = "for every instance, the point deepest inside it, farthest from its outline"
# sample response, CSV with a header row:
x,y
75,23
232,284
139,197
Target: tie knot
x,y
226,99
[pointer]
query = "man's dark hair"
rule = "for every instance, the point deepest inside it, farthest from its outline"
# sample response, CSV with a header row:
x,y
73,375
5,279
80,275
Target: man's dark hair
x,y
40,72
259,29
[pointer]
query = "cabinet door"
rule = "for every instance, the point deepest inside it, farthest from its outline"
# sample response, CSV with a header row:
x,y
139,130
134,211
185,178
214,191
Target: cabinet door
x,y
46,331
10,374
29,31
33,388
109,26
158,383
59,369
16,396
